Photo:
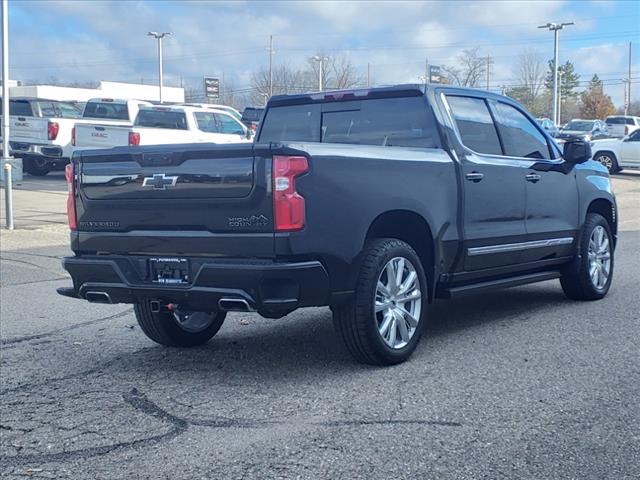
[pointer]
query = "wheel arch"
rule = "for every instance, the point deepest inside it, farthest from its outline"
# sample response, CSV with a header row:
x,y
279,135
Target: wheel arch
x,y
412,228
607,209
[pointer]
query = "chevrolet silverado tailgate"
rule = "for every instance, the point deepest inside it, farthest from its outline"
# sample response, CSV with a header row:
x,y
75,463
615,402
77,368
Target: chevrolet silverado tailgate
x,y
175,199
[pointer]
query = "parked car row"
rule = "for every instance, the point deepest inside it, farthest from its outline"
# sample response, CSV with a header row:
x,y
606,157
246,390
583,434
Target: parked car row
x,y
46,133
615,142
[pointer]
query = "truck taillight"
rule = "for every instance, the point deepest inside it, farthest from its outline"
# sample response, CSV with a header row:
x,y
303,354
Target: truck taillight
x,y
134,139
626,129
69,173
288,205
73,136
52,129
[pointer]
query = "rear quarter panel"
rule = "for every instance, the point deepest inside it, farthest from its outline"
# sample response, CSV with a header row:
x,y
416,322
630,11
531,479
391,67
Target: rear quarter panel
x,y
349,186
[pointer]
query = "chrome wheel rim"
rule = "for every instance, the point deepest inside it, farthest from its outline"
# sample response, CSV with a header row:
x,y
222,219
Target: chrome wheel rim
x,y
398,302
599,257
193,322
607,161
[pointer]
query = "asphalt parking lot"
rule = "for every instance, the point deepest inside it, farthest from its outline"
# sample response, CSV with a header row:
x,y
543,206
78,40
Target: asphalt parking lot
x,y
519,383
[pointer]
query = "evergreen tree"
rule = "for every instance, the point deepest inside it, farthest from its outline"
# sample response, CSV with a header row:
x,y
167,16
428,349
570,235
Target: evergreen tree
x,y
568,78
595,103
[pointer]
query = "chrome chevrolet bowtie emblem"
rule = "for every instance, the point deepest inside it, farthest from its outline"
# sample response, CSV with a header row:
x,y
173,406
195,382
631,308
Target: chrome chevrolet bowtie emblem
x,y
159,181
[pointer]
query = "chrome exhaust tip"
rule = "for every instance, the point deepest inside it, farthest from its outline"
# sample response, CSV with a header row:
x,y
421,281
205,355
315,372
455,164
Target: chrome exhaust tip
x,y
234,305
98,297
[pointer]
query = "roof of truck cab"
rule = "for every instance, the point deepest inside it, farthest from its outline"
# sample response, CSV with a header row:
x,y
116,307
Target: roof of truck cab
x,y
395,91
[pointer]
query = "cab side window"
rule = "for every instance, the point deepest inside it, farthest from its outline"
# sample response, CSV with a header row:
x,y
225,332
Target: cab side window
x,y
228,125
520,137
475,124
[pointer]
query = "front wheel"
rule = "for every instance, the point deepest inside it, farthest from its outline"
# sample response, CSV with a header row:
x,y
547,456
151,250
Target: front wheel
x,y
178,328
590,278
383,323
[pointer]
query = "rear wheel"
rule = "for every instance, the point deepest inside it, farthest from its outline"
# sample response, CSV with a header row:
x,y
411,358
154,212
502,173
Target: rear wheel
x,y
383,323
36,166
609,160
590,278
178,328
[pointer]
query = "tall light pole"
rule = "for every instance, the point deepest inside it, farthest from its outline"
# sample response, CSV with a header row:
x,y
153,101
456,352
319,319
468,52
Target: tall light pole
x,y
159,37
271,52
6,158
555,28
560,75
320,60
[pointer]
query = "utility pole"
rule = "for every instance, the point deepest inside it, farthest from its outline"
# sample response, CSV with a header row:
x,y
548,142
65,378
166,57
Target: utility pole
x,y
320,60
271,52
489,62
627,90
159,37
426,72
368,75
555,28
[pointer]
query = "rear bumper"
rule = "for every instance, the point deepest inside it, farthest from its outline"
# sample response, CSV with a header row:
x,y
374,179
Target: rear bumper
x,y
271,288
47,152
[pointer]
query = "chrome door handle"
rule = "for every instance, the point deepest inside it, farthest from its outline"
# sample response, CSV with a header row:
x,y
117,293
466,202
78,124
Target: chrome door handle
x,y
533,177
474,176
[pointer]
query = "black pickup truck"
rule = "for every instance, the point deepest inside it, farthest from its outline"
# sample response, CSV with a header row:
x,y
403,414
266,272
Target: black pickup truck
x,y
373,202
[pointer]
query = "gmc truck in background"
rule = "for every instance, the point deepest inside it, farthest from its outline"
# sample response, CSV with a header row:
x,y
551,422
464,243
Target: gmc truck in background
x,y
373,202
164,125
41,132
102,120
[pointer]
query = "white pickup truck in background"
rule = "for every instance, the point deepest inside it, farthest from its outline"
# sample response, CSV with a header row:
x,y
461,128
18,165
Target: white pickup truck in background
x,y
162,125
105,123
41,132
621,125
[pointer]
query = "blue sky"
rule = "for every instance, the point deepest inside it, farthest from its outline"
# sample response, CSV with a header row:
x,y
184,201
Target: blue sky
x,y
96,40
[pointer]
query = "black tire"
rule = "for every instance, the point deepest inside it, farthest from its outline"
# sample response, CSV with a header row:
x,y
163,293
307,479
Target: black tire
x,y
163,328
36,167
576,281
609,160
356,320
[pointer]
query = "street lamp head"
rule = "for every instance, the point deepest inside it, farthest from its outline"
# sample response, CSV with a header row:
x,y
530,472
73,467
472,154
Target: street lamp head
x,y
159,35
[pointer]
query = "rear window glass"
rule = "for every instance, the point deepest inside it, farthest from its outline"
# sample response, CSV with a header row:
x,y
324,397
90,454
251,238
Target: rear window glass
x,y
579,126
400,122
106,110
21,108
619,121
161,119
252,114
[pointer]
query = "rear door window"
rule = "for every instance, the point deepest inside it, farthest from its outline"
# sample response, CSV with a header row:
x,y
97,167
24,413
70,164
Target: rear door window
x,y
475,124
520,136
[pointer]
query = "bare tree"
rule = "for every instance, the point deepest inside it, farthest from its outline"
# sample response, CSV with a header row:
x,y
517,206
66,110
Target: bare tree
x,y
338,72
531,70
286,80
469,70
